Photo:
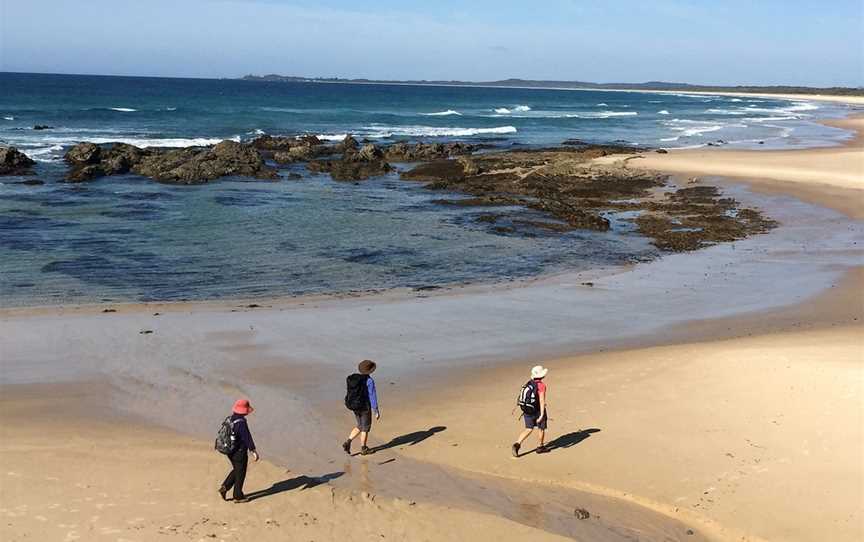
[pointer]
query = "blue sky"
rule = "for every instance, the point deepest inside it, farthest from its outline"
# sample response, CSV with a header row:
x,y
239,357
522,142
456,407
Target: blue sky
x,y
724,42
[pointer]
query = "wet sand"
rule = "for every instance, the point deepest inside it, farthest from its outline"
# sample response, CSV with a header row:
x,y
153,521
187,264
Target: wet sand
x,y
754,431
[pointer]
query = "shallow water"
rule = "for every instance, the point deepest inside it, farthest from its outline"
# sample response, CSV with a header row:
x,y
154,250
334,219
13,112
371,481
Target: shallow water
x,y
127,239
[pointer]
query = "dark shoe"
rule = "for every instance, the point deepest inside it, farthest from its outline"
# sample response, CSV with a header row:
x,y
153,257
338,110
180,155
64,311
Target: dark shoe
x,y
241,500
347,447
365,450
542,449
222,492
516,447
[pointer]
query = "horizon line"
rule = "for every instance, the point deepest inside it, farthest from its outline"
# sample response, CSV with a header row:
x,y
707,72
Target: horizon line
x,y
497,83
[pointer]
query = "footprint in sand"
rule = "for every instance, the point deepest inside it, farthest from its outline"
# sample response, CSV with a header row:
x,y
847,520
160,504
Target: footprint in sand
x,y
71,535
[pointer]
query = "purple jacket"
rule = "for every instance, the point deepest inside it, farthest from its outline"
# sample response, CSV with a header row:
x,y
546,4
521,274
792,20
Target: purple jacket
x,y
241,429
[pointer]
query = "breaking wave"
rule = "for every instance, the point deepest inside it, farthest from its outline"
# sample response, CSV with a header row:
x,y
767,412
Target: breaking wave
x,y
383,132
599,115
442,113
123,109
516,109
663,112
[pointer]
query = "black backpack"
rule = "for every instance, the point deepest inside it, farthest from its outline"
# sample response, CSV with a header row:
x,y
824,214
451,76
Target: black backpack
x,y
357,396
226,440
529,399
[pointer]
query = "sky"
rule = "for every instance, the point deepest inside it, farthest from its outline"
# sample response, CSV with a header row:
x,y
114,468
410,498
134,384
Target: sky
x,y
727,42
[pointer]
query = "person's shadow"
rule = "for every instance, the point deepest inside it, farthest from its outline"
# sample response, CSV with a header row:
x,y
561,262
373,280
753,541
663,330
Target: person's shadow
x,y
410,439
301,482
570,439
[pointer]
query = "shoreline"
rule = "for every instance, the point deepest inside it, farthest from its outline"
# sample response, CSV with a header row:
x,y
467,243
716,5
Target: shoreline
x,y
198,356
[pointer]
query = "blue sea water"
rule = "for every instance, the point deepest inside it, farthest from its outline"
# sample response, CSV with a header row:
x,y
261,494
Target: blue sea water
x,y
126,238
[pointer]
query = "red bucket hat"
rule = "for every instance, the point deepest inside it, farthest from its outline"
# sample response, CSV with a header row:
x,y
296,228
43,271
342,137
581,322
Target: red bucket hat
x,y
242,406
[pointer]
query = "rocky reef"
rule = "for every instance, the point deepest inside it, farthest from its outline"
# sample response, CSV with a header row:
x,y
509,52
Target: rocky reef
x,y
576,193
565,187
190,165
14,162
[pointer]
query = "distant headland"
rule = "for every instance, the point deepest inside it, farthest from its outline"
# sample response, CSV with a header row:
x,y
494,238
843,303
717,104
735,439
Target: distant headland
x,y
531,83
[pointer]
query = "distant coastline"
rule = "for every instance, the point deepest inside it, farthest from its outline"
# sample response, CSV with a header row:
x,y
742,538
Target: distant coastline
x,y
575,85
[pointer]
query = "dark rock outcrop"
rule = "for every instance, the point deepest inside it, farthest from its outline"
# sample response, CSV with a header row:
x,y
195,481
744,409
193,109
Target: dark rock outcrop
x,y
348,144
196,165
83,153
14,162
300,153
407,152
189,165
42,127
347,170
566,185
89,161
281,143
355,165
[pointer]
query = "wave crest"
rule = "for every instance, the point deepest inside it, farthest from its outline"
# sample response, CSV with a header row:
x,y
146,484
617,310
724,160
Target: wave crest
x,y
442,113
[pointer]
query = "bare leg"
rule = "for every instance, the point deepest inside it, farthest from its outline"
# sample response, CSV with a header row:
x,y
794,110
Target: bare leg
x,y
542,437
354,433
524,435
363,436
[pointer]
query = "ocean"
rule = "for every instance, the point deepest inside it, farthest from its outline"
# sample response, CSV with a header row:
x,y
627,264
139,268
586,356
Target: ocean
x,y
126,238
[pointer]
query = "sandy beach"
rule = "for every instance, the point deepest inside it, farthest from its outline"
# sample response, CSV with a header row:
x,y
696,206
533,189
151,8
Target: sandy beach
x,y
715,395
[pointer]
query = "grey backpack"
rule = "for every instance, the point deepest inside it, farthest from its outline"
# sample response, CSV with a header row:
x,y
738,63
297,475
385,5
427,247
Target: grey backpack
x,y
226,440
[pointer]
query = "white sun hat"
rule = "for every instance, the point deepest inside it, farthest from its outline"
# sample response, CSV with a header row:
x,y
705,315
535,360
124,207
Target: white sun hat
x,y
538,371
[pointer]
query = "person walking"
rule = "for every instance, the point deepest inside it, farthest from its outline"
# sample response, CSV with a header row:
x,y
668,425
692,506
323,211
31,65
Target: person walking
x,y
361,399
239,457
532,400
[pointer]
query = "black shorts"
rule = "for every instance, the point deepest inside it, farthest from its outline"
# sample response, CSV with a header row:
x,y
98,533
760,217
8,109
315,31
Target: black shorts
x,y
364,420
531,421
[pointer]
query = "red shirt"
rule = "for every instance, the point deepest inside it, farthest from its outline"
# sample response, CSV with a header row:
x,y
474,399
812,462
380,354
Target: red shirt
x,y
541,386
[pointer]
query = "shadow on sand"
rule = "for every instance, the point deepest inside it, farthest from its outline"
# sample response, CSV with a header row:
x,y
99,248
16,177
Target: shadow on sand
x,y
410,439
301,482
570,439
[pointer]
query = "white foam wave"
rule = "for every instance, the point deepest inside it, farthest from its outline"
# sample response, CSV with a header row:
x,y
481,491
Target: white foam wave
x,y
123,109
45,154
515,109
663,112
736,100
599,114
377,131
257,131
442,113
726,111
8,118
170,109
796,107
769,119
435,131
331,137
142,141
691,128
601,104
